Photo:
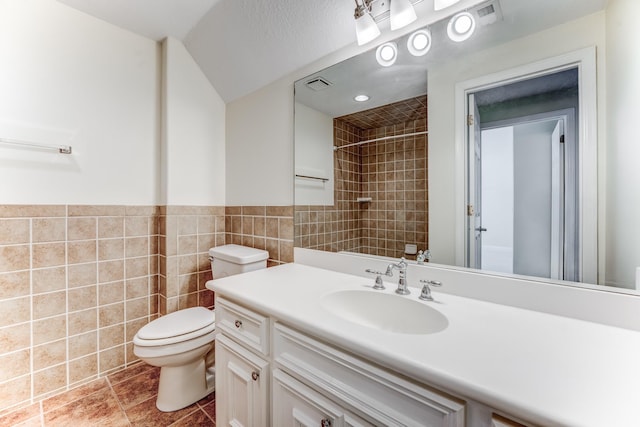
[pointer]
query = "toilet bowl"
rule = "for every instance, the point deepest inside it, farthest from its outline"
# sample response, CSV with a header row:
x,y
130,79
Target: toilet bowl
x,y
177,343
181,343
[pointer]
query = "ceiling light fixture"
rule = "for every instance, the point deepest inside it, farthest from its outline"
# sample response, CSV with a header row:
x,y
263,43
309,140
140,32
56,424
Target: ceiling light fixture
x,y
366,28
401,13
461,26
419,42
361,98
386,54
443,4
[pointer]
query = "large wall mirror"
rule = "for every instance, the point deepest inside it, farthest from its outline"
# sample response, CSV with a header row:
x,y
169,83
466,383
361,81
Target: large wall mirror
x,y
450,153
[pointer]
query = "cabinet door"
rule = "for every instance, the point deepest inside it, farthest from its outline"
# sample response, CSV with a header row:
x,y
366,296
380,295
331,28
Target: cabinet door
x,y
296,405
241,386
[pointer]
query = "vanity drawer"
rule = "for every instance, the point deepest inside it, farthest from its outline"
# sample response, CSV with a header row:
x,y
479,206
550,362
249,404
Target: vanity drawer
x,y
374,393
245,326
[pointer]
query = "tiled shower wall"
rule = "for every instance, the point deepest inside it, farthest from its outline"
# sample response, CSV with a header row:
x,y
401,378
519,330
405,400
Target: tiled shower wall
x,y
77,282
336,228
392,172
394,175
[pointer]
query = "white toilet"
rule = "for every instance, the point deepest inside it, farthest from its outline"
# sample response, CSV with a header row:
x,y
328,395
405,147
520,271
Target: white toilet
x,y
181,343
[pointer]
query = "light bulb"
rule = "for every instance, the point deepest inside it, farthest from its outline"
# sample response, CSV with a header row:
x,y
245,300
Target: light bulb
x,y
386,54
401,14
461,26
419,43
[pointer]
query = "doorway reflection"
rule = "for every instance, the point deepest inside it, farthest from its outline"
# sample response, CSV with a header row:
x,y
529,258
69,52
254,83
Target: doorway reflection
x,y
524,178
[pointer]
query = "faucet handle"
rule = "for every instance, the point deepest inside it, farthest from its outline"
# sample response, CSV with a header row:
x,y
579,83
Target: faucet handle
x,y
426,290
379,285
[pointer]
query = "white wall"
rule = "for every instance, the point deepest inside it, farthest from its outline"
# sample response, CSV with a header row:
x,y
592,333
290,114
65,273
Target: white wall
x,y
68,78
193,134
623,142
259,147
313,156
581,33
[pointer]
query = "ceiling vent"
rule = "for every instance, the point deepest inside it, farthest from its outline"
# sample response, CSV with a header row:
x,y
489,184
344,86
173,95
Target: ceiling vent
x,y
318,83
489,13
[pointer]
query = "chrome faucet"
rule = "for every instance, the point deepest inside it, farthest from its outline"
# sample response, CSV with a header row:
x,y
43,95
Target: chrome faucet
x,y
426,290
402,276
379,284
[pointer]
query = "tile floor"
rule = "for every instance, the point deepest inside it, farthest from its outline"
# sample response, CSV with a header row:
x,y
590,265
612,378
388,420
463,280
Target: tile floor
x,y
125,398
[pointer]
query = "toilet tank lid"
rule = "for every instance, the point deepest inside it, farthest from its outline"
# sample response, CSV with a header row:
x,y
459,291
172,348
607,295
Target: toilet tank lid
x,y
238,254
178,323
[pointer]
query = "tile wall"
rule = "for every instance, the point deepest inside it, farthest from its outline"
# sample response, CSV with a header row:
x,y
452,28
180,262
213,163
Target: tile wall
x,y
262,227
394,175
77,282
336,228
186,233
392,172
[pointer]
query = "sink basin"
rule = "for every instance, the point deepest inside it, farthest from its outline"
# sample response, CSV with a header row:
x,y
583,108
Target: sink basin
x,y
387,312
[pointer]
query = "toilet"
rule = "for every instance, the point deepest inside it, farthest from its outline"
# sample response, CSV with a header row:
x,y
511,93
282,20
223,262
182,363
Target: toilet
x,y
181,343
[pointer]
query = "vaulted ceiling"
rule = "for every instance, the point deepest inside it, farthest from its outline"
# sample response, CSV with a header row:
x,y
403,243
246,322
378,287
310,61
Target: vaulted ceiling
x,y
242,45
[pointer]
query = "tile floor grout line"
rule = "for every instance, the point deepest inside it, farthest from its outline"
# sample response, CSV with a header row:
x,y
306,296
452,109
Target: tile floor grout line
x,y
186,416
208,416
120,405
66,392
107,386
67,404
41,408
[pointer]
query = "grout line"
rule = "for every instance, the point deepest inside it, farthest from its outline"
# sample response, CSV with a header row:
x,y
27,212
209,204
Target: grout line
x,y
31,320
120,405
67,302
195,409
41,410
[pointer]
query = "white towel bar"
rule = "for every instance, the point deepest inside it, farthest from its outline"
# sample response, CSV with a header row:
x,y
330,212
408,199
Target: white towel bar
x,y
62,149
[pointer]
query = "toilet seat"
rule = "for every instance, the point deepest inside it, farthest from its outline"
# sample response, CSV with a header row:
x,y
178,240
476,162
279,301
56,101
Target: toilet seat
x,y
177,327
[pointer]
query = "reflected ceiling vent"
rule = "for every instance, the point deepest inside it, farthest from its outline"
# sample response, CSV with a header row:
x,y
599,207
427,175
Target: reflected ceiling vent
x,y
489,13
318,84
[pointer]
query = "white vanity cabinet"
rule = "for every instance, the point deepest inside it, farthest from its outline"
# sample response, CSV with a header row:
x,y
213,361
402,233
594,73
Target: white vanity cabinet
x,y
364,393
242,367
324,363
269,374
313,384
296,405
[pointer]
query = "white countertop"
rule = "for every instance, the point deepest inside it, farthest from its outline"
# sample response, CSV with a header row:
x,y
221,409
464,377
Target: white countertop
x,y
545,369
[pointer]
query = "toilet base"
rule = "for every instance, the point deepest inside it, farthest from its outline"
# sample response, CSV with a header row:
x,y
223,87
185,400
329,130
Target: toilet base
x,y
181,386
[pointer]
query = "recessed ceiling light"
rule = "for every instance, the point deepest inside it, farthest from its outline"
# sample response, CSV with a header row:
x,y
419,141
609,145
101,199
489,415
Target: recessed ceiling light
x,y
386,54
419,42
461,26
361,98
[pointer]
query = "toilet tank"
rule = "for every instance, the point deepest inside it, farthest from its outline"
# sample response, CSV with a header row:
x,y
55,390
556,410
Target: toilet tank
x,y
228,260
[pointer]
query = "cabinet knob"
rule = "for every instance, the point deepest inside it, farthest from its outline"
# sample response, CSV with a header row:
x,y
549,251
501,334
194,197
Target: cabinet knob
x,y
255,375
325,423
238,323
